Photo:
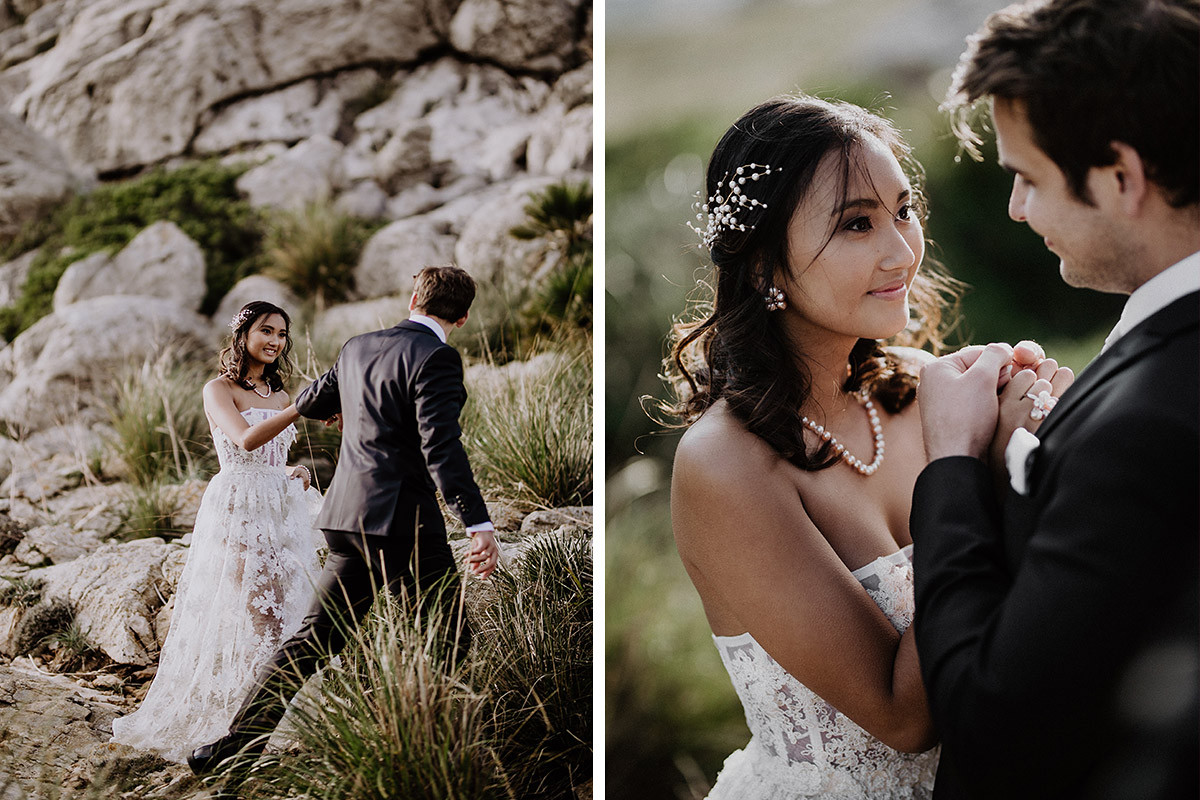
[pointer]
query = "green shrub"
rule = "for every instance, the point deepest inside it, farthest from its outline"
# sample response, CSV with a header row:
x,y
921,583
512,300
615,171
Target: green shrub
x,y
149,511
562,215
392,720
315,251
529,432
202,199
534,634
158,423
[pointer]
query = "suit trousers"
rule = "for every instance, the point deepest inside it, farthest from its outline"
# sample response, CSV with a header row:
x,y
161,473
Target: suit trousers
x,y
416,564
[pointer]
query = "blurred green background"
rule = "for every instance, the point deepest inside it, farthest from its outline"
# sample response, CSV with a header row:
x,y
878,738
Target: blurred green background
x,y
677,74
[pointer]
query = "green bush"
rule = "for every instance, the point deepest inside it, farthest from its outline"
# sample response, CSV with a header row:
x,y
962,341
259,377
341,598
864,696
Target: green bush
x,y
392,720
528,433
202,199
534,633
562,215
315,251
149,511
158,423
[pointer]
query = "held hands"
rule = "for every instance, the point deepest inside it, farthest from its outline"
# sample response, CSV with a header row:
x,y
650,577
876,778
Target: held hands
x,y
972,399
336,419
484,554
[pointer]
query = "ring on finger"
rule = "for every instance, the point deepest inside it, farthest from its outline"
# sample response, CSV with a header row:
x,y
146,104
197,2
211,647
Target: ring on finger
x,y
1043,404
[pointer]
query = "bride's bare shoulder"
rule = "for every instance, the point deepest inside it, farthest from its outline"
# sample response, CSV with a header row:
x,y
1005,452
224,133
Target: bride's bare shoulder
x,y
718,448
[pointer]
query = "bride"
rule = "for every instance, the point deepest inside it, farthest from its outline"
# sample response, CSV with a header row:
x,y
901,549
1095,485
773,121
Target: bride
x,y
790,520
253,558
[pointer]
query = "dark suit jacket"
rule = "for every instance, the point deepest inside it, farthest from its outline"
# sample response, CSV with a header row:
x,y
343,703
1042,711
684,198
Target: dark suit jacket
x,y
400,392
1059,635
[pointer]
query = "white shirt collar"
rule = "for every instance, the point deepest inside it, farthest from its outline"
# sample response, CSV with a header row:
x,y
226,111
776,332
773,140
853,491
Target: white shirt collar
x,y
431,323
1156,294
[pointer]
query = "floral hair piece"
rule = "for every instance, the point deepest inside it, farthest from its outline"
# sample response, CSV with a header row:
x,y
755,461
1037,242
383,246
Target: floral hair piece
x,y
730,200
239,318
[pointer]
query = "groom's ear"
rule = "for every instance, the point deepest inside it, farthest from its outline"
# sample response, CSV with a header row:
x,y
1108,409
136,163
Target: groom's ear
x,y
458,323
1128,176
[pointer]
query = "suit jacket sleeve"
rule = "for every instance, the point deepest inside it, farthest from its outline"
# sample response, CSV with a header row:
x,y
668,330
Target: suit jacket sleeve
x,y
439,396
1021,654
321,399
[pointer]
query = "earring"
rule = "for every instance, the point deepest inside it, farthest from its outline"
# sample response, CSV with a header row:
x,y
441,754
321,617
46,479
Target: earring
x,y
774,299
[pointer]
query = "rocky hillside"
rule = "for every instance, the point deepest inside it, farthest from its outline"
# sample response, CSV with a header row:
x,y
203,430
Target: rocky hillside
x,y
431,121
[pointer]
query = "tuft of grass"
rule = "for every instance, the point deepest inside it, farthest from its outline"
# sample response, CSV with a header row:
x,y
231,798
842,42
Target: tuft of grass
x,y
159,428
41,624
149,511
21,592
202,199
535,638
314,251
529,432
393,719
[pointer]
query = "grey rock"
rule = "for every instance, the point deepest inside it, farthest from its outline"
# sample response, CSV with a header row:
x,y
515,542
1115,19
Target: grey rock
x,y
161,261
34,175
365,199
56,544
552,519
116,592
397,252
341,322
62,367
310,172
536,35
12,277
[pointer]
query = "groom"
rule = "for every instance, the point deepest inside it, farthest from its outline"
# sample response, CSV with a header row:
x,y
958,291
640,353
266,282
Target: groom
x,y
397,394
1058,630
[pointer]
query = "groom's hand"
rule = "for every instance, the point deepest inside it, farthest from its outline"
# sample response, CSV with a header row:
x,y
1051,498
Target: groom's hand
x,y
957,398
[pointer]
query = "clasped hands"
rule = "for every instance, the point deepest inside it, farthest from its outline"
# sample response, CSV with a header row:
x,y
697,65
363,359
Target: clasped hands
x,y
972,401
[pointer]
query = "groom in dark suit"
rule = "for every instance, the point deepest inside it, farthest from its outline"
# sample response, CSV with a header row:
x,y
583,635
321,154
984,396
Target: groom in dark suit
x,y
1059,627
397,395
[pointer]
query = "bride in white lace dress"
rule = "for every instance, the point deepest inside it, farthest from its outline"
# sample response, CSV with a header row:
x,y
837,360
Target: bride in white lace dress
x,y
791,522
254,552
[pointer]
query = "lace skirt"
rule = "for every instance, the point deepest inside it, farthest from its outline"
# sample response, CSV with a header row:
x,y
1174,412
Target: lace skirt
x,y
245,589
756,774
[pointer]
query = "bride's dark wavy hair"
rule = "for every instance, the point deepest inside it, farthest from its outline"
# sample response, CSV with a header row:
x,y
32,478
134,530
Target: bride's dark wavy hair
x,y
739,351
233,357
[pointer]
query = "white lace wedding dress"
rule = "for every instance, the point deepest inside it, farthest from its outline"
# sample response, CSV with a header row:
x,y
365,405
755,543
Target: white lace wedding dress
x,y
803,747
247,584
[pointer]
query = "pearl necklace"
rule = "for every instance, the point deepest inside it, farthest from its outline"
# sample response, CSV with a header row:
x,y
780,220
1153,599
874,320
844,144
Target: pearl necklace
x,y
840,449
254,389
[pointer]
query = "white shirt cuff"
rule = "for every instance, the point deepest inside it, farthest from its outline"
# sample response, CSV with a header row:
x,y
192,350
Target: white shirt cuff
x,y
479,527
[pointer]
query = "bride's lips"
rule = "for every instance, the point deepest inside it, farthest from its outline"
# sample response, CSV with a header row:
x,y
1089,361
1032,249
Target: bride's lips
x,y
892,291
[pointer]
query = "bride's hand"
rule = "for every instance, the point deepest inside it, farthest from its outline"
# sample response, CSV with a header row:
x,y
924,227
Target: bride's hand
x,y
1023,404
300,471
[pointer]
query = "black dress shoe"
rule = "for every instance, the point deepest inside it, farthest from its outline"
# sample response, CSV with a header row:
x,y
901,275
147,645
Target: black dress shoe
x,y
205,758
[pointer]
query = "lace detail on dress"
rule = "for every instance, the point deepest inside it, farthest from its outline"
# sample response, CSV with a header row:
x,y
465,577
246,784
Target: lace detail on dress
x,y
246,587
803,747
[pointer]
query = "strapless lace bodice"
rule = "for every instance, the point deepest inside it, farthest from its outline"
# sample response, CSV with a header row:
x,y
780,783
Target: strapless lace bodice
x,y
803,747
272,454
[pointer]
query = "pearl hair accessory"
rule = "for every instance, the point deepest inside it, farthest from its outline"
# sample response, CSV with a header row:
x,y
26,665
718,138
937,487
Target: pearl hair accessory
x,y
775,299
1043,404
840,449
730,200
239,318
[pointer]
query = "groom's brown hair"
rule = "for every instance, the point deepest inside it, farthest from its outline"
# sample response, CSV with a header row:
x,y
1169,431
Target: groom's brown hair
x,y
443,292
1091,72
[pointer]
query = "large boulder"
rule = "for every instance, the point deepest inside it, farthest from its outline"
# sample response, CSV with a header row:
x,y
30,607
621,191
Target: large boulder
x,y
526,35
488,250
62,367
128,81
116,592
341,322
34,175
161,261
395,254
12,277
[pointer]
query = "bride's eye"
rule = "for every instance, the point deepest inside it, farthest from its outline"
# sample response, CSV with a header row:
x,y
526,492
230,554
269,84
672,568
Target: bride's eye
x,y
905,212
858,225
